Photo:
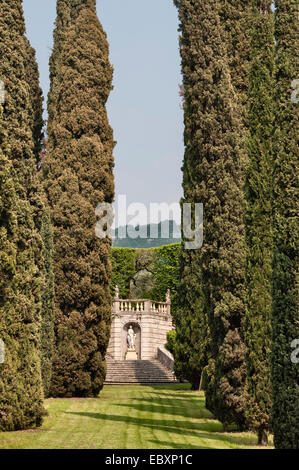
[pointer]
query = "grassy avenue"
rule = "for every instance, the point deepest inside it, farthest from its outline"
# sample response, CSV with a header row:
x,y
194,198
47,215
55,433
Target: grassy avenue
x,y
130,417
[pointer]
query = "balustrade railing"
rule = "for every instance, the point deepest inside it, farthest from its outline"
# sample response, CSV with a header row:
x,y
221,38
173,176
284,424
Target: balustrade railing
x,y
131,305
140,305
160,307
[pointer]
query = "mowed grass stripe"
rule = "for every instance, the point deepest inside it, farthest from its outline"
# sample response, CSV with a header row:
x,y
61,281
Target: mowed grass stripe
x,y
130,417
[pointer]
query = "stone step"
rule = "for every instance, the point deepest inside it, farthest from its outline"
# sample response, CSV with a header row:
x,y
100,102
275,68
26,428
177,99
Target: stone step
x,y
137,372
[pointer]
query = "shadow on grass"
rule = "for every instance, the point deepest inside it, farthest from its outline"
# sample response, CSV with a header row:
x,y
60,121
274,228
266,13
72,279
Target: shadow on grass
x,y
201,430
184,408
174,445
174,403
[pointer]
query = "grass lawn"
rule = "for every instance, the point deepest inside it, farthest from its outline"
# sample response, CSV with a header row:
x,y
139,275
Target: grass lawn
x,y
130,417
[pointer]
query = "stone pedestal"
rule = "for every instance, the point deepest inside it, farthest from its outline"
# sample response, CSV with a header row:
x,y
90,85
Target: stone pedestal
x,y
131,355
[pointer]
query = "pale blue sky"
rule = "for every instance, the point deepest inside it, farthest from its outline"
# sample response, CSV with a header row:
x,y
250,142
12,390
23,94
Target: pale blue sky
x,y
144,107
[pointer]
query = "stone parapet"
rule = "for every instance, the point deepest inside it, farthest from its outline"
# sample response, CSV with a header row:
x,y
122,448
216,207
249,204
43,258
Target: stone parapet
x,y
165,357
150,320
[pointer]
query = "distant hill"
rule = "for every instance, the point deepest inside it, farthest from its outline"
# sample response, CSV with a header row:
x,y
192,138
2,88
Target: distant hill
x,y
156,231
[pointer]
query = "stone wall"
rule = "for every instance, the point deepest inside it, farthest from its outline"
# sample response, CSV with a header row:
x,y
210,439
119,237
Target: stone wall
x,y
153,319
165,357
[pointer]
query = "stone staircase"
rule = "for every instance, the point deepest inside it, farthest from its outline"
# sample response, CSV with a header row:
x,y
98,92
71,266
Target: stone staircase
x,y
137,372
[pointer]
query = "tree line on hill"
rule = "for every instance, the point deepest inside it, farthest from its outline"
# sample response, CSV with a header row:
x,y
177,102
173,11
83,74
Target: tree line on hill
x,y
151,235
236,298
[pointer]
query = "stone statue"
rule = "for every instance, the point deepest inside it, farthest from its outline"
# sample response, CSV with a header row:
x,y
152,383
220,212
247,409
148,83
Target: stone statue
x,y
131,338
168,296
116,292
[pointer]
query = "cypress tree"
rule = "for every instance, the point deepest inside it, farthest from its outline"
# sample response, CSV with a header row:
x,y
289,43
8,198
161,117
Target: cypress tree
x,y
36,98
285,267
190,321
214,174
79,175
20,380
8,296
44,223
259,219
62,24
235,16
47,326
67,13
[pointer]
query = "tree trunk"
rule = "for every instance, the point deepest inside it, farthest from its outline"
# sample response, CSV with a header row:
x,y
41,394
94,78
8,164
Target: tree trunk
x,y
195,385
262,437
200,383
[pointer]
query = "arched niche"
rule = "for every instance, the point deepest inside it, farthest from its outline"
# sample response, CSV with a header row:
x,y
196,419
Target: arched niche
x,y
137,331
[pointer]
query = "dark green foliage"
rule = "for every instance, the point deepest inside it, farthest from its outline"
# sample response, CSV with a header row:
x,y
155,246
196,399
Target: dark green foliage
x,y
36,99
123,270
162,265
47,327
44,223
171,337
20,379
214,174
259,219
8,223
8,261
129,267
236,17
166,274
285,328
62,24
190,322
67,13
79,175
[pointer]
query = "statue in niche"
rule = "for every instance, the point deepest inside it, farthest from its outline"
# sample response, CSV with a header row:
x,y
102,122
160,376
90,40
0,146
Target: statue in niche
x,y
131,338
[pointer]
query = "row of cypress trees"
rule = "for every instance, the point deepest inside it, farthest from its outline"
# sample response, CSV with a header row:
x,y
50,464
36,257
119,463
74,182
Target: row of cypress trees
x,y
22,206
47,218
240,162
240,290
78,175
285,328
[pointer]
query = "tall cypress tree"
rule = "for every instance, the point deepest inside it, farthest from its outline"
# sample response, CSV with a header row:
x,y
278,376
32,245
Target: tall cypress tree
x,y
67,12
79,175
20,380
235,16
259,218
62,24
214,174
8,295
47,321
285,268
36,98
44,222
190,319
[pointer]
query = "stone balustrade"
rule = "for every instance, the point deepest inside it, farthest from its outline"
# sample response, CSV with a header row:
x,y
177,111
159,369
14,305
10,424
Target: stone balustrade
x,y
151,320
140,305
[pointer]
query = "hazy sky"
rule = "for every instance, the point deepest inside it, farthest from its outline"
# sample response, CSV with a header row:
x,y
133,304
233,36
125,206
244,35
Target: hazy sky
x,y
144,108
